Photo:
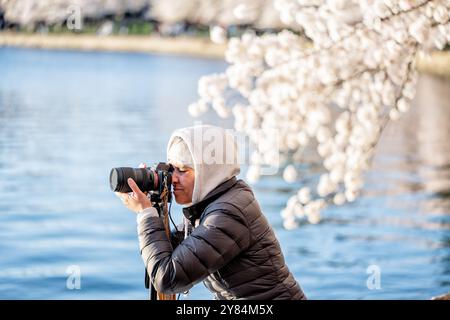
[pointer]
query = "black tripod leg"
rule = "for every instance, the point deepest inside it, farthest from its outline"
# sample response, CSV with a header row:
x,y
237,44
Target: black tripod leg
x,y
148,285
153,293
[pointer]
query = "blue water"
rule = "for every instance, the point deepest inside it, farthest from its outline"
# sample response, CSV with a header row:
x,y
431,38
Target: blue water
x,y
66,118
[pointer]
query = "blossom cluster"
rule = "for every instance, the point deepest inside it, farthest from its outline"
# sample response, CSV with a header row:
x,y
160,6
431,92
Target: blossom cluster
x,y
334,96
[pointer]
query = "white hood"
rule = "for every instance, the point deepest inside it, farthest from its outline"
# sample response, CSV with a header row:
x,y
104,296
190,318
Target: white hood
x,y
214,153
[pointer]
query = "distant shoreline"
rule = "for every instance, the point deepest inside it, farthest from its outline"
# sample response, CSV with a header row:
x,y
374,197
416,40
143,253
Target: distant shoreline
x,y
186,46
437,63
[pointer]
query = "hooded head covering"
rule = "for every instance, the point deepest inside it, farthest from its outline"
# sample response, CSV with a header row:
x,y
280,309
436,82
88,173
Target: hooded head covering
x,y
211,151
179,154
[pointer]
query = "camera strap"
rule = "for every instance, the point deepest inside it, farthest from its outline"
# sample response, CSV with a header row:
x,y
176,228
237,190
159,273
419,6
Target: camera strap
x,y
163,210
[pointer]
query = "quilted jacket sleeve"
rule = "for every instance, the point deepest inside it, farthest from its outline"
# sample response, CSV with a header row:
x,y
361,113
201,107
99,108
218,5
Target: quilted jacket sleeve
x,y
221,236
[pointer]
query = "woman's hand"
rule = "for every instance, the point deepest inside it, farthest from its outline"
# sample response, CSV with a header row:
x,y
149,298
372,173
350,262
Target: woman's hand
x,y
137,200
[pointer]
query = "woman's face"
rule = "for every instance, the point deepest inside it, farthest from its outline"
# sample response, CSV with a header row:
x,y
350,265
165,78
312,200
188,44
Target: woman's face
x,y
183,179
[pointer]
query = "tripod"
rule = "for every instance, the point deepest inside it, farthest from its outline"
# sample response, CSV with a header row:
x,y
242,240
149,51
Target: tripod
x,y
162,198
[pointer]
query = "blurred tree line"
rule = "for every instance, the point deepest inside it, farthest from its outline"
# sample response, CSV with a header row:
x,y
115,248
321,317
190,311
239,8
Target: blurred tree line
x,y
139,17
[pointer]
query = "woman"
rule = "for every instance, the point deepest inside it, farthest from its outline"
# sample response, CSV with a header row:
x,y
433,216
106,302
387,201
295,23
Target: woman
x,y
231,247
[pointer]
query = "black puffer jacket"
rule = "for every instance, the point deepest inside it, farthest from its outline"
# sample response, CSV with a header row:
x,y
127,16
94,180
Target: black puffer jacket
x,y
233,250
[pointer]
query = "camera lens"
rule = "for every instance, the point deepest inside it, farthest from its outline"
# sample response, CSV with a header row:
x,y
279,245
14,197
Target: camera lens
x,y
143,177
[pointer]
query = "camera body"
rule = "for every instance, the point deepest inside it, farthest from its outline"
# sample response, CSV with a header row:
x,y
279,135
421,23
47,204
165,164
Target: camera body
x,y
152,180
